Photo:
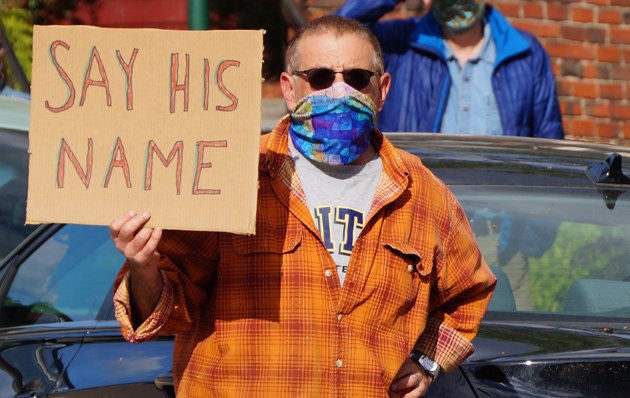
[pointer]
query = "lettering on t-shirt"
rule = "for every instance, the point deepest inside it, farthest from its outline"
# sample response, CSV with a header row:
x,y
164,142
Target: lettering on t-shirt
x,y
339,227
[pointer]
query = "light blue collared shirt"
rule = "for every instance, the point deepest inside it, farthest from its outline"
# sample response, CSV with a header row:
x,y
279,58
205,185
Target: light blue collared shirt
x,y
9,92
472,107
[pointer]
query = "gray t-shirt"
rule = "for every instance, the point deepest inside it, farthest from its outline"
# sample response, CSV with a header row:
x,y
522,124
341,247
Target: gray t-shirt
x,y
339,198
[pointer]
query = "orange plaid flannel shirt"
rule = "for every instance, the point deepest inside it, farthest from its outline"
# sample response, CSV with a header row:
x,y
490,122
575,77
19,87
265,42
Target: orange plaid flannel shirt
x,y
265,315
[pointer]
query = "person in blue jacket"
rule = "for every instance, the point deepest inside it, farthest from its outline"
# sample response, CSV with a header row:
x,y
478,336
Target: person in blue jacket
x,y
462,68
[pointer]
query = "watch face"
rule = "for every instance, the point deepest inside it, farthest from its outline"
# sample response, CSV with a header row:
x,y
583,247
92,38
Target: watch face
x,y
428,364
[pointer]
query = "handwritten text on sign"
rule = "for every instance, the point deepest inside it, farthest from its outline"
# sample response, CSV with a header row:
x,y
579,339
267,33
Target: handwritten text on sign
x,y
107,104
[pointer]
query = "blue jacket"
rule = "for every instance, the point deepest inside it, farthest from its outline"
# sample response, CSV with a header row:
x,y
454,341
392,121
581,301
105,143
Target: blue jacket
x,y
413,49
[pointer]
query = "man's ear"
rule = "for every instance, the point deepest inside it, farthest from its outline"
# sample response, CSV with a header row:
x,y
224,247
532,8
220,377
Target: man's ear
x,y
287,84
385,81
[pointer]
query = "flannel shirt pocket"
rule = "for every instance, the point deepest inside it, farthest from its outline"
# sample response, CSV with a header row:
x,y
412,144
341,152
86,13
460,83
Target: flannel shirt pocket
x,y
258,269
401,277
409,255
269,241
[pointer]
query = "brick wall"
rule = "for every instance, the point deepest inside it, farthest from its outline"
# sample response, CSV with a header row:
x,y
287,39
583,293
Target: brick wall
x,y
589,45
162,14
588,41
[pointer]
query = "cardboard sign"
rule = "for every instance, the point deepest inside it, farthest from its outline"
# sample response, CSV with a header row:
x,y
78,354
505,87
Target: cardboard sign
x,y
151,120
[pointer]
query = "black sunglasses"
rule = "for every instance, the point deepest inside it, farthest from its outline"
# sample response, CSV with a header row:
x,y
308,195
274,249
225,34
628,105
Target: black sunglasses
x,y
321,78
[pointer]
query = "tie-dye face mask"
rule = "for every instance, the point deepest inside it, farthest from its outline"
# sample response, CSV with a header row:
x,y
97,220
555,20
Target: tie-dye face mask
x,y
457,15
333,125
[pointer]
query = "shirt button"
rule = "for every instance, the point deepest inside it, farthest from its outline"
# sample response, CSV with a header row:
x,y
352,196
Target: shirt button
x,y
339,317
465,109
410,268
339,363
328,273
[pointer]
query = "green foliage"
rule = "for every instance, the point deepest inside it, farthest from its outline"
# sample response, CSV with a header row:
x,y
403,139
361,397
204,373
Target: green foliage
x,y
46,12
19,29
18,25
579,251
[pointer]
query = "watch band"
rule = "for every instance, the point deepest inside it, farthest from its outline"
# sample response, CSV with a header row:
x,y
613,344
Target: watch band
x,y
429,365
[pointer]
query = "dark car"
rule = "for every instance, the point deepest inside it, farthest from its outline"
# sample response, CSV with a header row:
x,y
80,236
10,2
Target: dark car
x,y
14,118
552,219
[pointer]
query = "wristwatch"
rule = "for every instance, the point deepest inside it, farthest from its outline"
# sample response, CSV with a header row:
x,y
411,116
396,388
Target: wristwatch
x,y
429,365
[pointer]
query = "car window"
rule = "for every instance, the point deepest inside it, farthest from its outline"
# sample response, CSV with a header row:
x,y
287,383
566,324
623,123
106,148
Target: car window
x,y
559,251
67,278
13,187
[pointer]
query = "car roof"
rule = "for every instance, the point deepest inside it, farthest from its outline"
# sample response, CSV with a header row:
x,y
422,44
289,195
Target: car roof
x,y
14,113
499,160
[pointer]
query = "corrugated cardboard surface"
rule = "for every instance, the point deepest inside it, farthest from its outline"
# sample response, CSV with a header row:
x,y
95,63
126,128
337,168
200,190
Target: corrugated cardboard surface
x,y
65,56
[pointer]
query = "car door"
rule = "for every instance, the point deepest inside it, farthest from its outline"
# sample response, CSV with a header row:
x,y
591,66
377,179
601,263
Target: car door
x,y
13,187
58,336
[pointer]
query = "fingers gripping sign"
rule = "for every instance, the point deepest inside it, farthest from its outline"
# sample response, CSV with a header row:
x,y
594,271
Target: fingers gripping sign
x,y
137,243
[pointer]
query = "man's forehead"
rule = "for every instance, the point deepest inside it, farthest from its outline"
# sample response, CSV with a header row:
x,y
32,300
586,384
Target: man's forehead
x,y
321,44
332,35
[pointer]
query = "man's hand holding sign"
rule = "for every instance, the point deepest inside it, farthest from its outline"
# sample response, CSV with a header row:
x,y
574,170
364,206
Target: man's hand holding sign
x,y
145,119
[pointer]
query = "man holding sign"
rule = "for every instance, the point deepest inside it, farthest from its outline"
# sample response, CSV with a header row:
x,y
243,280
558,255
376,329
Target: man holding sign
x,y
363,277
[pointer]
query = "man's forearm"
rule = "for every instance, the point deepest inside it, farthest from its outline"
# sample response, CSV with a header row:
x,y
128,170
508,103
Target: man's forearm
x,y
366,11
145,289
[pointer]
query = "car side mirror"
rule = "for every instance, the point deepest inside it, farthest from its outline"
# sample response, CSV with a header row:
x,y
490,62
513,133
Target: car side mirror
x,y
606,175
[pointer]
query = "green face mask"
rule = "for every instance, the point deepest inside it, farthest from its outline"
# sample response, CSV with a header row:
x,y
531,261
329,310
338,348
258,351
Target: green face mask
x,y
458,15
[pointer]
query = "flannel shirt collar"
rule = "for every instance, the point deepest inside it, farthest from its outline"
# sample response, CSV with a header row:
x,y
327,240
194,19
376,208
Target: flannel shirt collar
x,y
277,161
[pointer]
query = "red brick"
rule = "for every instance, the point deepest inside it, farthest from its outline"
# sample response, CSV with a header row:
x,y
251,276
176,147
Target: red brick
x,y
599,2
557,12
508,9
533,10
139,13
584,128
619,35
619,111
573,32
607,130
596,71
555,67
571,67
610,16
598,109
623,3
585,89
564,87
580,14
596,35
571,50
609,54
540,29
567,126
626,131
611,91
585,34
620,72
626,55
573,108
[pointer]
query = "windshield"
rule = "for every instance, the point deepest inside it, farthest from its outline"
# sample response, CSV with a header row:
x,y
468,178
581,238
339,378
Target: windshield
x,y
13,187
560,251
